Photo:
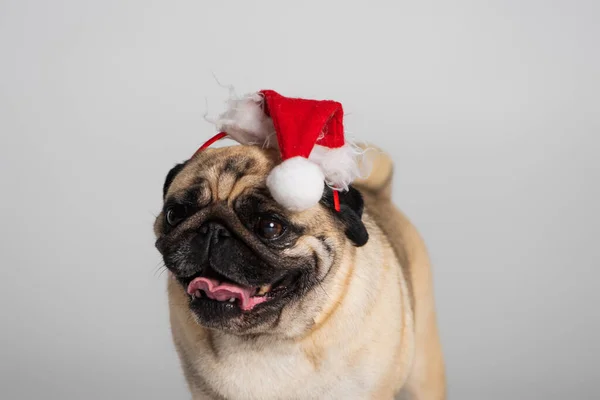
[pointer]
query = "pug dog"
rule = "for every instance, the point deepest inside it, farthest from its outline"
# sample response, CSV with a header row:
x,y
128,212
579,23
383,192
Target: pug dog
x,y
266,303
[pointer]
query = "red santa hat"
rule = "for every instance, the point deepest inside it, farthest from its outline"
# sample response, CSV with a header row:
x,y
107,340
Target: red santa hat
x,y
310,137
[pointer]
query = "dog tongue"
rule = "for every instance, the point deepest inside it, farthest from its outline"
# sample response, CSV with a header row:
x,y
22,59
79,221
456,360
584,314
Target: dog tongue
x,y
225,291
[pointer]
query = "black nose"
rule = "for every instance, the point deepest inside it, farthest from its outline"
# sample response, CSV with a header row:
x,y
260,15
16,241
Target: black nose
x,y
214,229
210,234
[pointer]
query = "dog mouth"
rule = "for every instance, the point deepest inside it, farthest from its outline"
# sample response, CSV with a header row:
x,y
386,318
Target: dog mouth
x,y
214,287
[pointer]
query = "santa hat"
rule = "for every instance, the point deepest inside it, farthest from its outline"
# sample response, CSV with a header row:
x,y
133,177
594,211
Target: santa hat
x,y
310,137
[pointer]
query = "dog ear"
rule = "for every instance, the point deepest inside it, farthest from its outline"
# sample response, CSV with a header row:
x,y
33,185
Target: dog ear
x,y
350,214
171,175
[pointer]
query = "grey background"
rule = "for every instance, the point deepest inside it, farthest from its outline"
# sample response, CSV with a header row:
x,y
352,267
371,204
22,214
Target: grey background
x,y
490,110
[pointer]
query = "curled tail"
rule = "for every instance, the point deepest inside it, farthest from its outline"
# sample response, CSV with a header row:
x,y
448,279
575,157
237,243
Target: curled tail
x,y
379,182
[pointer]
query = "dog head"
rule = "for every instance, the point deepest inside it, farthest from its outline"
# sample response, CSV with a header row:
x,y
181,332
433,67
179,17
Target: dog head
x,y
241,259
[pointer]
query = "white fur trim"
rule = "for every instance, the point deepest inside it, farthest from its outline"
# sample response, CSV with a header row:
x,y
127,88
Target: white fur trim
x,y
341,166
296,184
245,121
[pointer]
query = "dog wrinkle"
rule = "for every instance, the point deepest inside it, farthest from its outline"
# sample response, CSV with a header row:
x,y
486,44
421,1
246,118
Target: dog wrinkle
x,y
244,184
225,184
314,354
210,341
277,321
235,177
322,318
203,192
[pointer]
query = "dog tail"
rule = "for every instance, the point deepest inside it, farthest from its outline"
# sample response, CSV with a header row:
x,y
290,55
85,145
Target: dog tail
x,y
379,182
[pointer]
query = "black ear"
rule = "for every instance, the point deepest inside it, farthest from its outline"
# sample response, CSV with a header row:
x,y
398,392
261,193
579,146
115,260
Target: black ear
x,y
351,210
171,175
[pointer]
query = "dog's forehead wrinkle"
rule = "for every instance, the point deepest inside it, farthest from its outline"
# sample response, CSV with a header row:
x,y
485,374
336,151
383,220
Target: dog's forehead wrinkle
x,y
232,185
236,158
225,182
246,188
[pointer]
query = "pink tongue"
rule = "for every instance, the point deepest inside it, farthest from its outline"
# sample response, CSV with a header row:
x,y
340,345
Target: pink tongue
x,y
225,291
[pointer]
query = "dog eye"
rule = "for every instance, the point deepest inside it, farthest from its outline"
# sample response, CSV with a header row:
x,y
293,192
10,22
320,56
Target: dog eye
x,y
176,214
269,228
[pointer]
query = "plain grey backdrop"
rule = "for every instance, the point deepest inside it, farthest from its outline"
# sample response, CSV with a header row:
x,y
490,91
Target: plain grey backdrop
x,y
489,109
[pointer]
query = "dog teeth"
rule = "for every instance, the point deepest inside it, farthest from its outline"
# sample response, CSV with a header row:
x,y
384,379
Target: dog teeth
x,y
263,290
231,300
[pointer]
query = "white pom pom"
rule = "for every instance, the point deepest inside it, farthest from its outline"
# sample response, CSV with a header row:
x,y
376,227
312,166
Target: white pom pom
x,y
297,184
245,121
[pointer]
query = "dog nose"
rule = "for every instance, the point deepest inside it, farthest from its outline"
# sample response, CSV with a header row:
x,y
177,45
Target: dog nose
x,y
210,234
214,230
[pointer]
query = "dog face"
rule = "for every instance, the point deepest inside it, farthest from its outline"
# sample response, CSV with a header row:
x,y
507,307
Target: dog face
x,y
240,258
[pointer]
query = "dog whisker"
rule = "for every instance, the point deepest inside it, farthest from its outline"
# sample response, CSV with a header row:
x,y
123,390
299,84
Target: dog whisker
x,y
160,269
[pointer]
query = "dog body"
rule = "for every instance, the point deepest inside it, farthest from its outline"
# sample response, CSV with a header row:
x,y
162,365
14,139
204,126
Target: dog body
x,y
357,323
